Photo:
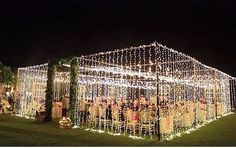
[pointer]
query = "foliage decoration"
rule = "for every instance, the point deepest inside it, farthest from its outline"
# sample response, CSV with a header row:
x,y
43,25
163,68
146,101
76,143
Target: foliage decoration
x,y
49,90
73,85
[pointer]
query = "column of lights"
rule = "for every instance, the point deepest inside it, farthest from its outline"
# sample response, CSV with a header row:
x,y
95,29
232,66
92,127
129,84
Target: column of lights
x,y
105,77
227,99
136,68
219,85
101,75
81,83
81,79
229,110
233,93
156,47
172,92
128,74
168,92
149,69
160,81
113,76
94,81
224,100
90,88
21,91
122,87
220,93
117,93
228,94
211,92
125,90
86,84
195,80
119,62
98,91
179,75
185,99
143,62
207,92
77,110
113,87
204,90
26,92
123,63
111,62
234,90
139,71
223,95
121,75
144,70
110,74
86,80
102,93
198,74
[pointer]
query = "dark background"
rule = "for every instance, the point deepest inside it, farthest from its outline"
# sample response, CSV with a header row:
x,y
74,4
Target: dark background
x,y
34,31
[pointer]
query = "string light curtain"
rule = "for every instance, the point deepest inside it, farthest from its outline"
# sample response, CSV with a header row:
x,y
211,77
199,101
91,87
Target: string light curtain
x,y
185,92
31,87
146,91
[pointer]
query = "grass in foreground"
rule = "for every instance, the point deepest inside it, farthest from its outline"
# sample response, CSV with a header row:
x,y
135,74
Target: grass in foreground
x,y
16,131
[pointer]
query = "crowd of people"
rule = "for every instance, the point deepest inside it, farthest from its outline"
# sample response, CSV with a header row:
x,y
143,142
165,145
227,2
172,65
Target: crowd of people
x,y
174,115
123,114
103,113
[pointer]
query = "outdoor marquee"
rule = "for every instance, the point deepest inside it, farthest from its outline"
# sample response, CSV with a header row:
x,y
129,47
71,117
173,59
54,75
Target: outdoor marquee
x,y
150,90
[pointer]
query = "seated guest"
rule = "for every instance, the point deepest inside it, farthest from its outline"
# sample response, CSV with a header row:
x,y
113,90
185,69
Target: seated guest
x,y
142,107
136,102
129,114
146,102
154,108
91,107
135,116
142,100
114,106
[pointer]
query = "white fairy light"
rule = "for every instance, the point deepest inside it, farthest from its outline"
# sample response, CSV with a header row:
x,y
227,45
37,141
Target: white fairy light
x,y
118,73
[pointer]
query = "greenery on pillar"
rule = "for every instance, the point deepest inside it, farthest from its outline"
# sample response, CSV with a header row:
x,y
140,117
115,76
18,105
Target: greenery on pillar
x,y
73,85
49,90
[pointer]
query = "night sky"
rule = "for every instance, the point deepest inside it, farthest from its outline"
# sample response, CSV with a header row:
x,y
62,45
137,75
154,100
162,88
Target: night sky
x,y
34,31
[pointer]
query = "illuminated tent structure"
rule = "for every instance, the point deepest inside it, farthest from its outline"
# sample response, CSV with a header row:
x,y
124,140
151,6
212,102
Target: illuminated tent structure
x,y
31,85
32,82
169,91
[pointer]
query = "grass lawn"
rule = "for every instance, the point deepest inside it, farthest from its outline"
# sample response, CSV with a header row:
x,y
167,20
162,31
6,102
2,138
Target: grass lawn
x,y
16,131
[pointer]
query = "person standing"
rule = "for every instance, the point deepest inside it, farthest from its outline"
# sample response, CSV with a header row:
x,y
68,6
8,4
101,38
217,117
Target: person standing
x,y
10,101
65,106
